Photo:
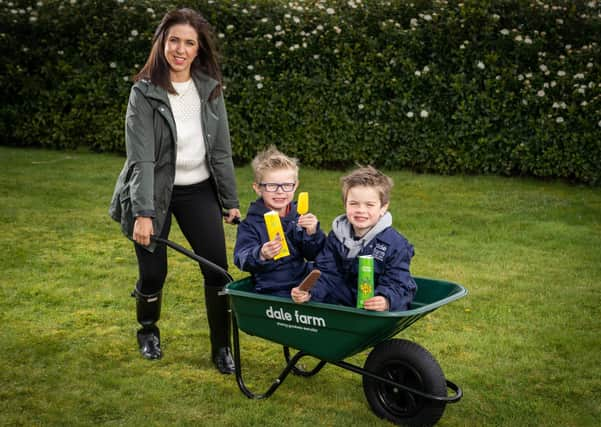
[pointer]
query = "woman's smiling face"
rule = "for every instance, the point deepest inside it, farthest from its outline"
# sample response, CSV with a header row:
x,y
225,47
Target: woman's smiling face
x,y
181,48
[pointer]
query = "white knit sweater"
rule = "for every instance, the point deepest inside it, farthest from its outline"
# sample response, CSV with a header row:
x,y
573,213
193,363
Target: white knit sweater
x,y
191,166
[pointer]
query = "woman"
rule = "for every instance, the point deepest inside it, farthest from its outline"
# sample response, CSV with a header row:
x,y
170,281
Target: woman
x,y
179,162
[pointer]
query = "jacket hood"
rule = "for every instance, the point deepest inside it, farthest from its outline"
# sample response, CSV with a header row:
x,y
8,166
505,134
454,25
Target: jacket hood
x,y
342,229
204,84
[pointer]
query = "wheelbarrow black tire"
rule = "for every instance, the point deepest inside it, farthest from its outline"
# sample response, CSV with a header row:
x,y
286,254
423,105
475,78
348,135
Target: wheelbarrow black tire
x,y
411,365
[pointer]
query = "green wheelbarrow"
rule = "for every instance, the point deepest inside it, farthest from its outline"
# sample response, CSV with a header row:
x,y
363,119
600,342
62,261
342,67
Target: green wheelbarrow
x,y
402,381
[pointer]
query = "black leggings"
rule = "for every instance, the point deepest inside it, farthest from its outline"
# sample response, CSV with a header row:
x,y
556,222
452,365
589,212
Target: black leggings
x,y
198,215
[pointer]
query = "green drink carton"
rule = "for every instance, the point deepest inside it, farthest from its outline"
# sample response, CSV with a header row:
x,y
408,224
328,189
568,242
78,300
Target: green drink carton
x,y
365,279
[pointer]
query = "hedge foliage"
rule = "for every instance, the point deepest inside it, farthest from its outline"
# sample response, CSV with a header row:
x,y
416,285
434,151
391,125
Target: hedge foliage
x,y
509,87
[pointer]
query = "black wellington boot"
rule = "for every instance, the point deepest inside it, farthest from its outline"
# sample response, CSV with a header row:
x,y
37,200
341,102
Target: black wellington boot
x,y
148,310
219,327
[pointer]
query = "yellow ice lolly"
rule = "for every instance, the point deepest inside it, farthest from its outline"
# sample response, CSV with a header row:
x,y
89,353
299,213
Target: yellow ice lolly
x,y
303,203
274,227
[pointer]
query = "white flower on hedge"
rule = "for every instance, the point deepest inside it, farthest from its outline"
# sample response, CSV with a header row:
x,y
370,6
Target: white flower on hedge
x,y
230,27
589,65
268,36
423,114
561,73
418,73
559,119
528,40
125,78
337,29
279,43
427,17
113,65
61,52
150,11
134,33
426,69
578,76
540,93
259,85
599,123
278,28
32,19
264,20
553,83
505,31
581,90
296,20
584,103
518,38
361,106
410,114
480,65
520,77
250,67
316,56
73,1
258,77
555,105
543,67
221,35
330,11
559,21
413,22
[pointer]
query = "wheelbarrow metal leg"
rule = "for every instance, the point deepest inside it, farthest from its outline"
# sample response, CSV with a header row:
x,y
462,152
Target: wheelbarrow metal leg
x,y
278,381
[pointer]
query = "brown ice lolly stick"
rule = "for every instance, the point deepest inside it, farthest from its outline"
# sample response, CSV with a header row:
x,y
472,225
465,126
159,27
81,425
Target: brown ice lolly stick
x,y
309,281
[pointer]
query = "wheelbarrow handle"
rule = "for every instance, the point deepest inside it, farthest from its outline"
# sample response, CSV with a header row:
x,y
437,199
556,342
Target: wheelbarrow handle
x,y
202,261
235,221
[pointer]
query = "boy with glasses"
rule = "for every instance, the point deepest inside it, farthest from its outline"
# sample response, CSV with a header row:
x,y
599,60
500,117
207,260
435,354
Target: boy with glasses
x,y
275,181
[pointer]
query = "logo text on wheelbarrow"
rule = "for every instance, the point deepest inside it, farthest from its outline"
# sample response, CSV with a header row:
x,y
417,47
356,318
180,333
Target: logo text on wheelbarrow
x,y
303,319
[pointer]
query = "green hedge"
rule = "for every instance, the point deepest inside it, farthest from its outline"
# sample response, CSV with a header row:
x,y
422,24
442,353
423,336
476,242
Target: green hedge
x,y
505,87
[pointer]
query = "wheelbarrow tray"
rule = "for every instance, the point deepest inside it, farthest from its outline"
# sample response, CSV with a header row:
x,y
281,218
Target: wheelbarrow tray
x,y
331,332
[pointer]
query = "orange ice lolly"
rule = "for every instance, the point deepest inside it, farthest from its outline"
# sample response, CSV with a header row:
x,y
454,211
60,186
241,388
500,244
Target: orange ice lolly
x,y
303,203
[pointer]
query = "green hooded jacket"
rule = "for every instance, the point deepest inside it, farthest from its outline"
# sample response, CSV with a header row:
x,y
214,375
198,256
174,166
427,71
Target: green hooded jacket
x,y
145,183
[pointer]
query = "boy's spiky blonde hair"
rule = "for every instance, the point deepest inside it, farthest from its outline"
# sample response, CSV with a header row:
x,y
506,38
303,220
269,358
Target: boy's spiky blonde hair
x,y
271,159
367,176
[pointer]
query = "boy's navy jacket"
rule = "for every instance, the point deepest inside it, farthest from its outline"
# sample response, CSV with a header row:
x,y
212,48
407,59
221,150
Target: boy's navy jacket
x,y
392,255
276,277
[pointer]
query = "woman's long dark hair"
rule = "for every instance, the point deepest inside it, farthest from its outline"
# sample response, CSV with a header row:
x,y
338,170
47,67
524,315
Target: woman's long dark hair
x,y
156,68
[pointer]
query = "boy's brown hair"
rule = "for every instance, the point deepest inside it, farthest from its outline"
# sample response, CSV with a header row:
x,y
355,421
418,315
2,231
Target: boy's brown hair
x,y
269,159
367,176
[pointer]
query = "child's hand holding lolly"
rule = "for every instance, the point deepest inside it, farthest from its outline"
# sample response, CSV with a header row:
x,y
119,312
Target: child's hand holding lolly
x,y
270,249
306,220
301,294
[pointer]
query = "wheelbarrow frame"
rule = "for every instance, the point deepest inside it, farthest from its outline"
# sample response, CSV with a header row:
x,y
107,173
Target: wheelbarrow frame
x,y
291,362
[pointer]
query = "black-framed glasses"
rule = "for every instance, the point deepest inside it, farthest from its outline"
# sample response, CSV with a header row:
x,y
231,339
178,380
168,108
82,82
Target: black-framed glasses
x,y
272,187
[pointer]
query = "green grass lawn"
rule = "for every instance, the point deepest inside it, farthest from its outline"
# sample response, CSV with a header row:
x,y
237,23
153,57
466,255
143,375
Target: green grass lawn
x,y
524,344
